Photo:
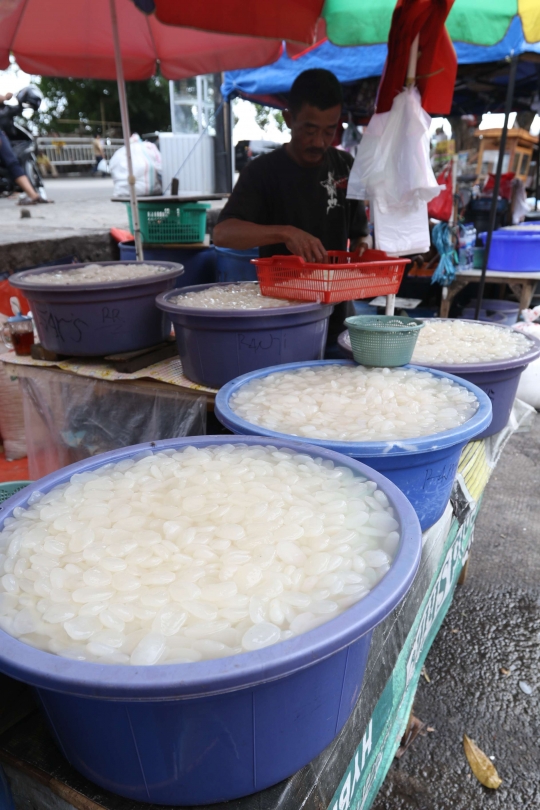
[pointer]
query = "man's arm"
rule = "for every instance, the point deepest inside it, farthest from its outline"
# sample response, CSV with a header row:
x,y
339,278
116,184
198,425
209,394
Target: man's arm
x,y
242,235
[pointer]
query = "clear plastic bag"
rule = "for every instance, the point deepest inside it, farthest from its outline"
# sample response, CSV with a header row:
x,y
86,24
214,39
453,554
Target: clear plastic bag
x,y
69,418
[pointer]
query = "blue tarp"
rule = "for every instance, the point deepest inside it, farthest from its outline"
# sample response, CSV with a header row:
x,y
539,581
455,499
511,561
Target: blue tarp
x,y
353,64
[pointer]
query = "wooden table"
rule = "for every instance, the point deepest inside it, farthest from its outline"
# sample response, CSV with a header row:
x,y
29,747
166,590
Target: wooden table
x,y
177,198
521,284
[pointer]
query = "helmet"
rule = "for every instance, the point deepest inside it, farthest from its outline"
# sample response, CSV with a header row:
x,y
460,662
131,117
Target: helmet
x,y
30,97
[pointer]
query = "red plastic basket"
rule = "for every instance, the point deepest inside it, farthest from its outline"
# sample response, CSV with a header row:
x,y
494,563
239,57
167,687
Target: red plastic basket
x,y
347,277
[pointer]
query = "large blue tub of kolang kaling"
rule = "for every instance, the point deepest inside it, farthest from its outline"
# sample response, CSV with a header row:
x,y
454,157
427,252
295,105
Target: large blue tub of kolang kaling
x,y
423,468
216,345
101,318
211,731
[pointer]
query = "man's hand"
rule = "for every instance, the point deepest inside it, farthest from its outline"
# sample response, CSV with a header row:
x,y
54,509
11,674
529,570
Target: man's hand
x,y
304,244
6,97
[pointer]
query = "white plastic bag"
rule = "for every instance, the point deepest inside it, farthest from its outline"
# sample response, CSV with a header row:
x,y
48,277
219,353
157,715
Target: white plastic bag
x,y
529,385
146,159
404,230
392,169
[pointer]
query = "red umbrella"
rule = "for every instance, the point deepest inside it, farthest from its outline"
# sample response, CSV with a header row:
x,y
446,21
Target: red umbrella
x,y
75,38
282,19
418,28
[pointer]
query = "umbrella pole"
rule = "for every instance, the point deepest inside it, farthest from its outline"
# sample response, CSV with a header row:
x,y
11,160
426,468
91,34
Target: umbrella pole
x,y
124,117
495,198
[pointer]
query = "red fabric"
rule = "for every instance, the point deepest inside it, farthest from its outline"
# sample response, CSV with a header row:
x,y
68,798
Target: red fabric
x,y
437,61
7,292
119,235
505,188
74,38
280,19
441,206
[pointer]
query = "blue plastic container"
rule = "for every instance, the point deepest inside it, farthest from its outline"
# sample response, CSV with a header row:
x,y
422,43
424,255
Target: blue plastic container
x,y
216,345
187,734
424,468
85,320
199,263
235,265
514,251
492,310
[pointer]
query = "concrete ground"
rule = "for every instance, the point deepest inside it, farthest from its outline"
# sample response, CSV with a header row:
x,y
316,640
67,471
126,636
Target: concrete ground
x,y
82,205
485,660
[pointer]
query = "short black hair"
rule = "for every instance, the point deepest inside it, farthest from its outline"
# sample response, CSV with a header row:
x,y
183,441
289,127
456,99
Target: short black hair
x,y
317,87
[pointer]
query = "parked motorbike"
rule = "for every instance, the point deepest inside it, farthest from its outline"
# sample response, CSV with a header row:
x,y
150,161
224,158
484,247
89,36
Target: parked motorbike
x,y
22,141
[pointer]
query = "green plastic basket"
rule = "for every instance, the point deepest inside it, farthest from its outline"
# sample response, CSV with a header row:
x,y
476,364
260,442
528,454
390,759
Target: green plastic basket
x,y
171,223
383,340
10,488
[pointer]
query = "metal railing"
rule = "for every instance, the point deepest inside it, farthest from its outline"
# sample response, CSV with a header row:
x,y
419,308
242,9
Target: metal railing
x,y
69,151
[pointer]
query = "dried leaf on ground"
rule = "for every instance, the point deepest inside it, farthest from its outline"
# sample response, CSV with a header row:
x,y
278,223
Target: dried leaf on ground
x,y
481,765
425,674
504,671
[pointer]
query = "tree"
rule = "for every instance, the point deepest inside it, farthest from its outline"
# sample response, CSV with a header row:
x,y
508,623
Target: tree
x,y
264,116
86,103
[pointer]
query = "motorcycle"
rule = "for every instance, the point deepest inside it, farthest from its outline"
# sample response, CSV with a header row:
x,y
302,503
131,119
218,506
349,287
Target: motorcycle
x,y
22,142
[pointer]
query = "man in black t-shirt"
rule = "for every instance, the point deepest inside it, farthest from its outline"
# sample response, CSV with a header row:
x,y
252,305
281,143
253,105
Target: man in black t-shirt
x,y
293,200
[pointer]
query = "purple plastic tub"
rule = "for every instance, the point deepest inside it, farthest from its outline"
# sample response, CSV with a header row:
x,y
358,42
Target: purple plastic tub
x,y
216,346
212,731
499,380
87,320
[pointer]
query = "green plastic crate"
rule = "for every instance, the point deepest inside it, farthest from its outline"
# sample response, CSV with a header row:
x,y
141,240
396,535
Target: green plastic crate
x,y
10,488
383,340
171,223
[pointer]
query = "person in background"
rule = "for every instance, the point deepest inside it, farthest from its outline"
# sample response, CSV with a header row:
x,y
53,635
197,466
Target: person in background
x,y
9,159
294,199
98,151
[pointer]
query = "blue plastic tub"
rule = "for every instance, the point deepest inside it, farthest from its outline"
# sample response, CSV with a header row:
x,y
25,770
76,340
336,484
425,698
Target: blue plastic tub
x,y
199,263
424,468
235,265
499,380
85,320
514,251
492,310
217,345
187,734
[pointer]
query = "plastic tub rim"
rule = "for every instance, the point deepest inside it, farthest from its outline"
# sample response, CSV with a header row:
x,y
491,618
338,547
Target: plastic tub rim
x,y
521,360
162,301
411,446
20,280
474,368
232,673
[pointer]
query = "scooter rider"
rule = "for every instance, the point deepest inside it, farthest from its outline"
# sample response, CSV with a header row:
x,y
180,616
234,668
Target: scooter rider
x,y
9,159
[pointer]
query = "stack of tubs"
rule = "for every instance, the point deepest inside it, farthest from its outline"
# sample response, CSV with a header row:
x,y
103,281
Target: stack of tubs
x,y
216,345
214,730
424,468
199,263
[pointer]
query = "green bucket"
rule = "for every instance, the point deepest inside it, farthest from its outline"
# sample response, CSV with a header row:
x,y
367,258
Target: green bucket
x,y
10,488
383,340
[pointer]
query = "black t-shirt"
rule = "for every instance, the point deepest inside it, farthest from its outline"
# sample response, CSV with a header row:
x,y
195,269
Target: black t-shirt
x,y
274,190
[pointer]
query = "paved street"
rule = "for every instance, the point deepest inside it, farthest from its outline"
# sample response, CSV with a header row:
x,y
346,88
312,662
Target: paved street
x,y
493,624
82,205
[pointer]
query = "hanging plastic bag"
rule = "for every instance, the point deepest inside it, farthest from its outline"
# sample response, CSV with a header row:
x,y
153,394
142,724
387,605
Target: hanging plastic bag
x,y
146,160
392,164
392,170
441,206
